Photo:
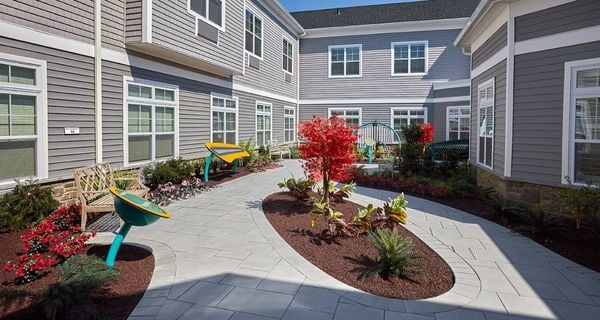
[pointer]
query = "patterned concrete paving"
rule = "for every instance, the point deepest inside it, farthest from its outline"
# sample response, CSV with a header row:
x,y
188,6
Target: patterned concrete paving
x,y
219,258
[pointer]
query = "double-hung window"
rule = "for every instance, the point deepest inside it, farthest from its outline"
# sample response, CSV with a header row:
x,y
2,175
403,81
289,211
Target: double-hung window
x,y
402,117
289,119
288,56
211,11
21,150
263,123
458,122
584,122
151,130
485,143
409,58
352,116
224,119
345,61
254,34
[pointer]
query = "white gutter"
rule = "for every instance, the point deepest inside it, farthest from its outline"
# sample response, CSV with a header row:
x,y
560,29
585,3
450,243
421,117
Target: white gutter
x,y
283,13
98,77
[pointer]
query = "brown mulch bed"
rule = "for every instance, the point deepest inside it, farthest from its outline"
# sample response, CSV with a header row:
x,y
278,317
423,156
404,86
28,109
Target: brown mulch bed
x,y
344,258
135,266
572,244
223,176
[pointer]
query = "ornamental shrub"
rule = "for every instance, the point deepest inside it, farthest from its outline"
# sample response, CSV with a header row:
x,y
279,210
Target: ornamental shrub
x,y
397,255
412,151
579,202
29,202
173,170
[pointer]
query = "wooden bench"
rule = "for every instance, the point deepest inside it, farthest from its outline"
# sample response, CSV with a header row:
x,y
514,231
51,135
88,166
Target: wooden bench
x,y
92,184
440,150
280,150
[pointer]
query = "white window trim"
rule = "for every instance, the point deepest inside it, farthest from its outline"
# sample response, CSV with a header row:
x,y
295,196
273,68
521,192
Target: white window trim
x,y
205,19
393,52
360,60
331,110
568,133
293,55
491,82
448,120
262,38
153,102
257,113
295,131
392,117
40,90
237,114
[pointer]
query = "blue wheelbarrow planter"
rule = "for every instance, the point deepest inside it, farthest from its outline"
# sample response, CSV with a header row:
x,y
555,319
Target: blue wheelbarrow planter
x,y
134,211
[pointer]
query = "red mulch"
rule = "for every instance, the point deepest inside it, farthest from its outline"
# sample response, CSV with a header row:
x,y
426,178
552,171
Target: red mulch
x,y
343,258
572,244
135,266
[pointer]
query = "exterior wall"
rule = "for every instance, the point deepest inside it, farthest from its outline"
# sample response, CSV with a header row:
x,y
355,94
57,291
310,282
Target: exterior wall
x,y
173,28
69,19
70,104
452,92
113,24
538,112
499,73
497,41
439,118
270,75
445,63
567,17
133,20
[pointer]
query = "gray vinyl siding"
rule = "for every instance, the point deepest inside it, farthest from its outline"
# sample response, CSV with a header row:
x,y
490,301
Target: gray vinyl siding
x,y
173,28
452,92
446,62
499,73
194,110
495,43
567,17
538,112
133,20
439,120
247,116
270,75
113,24
70,83
69,19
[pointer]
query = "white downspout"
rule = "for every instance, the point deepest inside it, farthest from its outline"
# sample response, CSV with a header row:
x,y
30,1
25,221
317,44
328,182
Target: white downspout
x,y
98,77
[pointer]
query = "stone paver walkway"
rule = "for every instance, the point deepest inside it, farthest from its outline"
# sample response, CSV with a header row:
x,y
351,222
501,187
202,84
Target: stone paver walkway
x,y
227,262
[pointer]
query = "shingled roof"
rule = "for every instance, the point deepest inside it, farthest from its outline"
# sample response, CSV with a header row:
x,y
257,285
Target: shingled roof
x,y
386,13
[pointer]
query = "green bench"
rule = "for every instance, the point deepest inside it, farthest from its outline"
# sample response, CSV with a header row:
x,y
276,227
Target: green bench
x,y
439,150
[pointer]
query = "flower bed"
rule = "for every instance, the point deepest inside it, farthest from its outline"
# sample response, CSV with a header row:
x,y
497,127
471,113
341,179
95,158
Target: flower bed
x,y
401,185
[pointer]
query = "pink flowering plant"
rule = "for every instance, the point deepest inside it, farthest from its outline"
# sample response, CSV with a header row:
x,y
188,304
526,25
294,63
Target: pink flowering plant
x,y
166,193
259,165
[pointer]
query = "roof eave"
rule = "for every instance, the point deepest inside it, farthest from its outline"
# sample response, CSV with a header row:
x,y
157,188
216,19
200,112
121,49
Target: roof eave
x,y
479,12
286,16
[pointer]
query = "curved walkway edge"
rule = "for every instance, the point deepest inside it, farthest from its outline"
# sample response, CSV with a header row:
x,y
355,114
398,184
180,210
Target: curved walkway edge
x,y
219,258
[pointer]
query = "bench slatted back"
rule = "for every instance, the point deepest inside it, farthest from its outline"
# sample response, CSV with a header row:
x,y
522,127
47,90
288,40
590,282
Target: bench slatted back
x,y
94,181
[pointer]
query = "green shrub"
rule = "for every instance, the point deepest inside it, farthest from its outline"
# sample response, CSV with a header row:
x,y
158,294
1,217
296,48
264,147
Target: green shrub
x,y
342,193
120,182
29,202
579,202
411,151
248,146
505,210
173,170
295,152
536,220
463,183
396,255
298,188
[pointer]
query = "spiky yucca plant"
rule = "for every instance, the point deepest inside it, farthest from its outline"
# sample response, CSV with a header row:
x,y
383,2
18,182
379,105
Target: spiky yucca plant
x,y
396,255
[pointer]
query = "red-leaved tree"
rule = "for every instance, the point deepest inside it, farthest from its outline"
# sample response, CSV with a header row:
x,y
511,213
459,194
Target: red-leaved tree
x,y
426,133
327,153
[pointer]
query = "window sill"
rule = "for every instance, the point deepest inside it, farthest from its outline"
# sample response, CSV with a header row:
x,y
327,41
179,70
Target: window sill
x,y
343,77
409,74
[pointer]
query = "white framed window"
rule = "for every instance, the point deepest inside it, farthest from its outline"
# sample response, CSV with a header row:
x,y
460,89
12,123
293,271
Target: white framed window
x,y
254,34
288,56
409,58
23,118
352,116
405,116
581,122
224,119
264,118
485,130
151,129
209,11
289,124
458,122
345,61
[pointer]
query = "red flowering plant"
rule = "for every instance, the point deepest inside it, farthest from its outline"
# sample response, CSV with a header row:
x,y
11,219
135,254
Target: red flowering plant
x,y
29,266
328,151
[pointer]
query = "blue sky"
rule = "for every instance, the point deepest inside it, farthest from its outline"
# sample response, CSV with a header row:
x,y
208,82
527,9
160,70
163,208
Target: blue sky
x,y
301,5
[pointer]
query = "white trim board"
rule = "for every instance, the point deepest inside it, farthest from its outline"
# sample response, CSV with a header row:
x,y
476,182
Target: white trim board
x,y
558,40
452,84
502,54
510,70
394,27
383,100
